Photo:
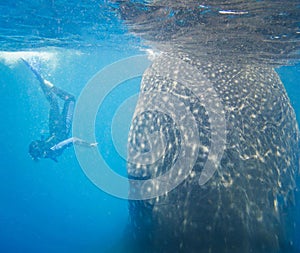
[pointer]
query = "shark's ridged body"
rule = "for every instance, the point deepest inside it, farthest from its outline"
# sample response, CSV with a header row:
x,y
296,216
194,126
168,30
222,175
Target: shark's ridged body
x,y
217,63
244,207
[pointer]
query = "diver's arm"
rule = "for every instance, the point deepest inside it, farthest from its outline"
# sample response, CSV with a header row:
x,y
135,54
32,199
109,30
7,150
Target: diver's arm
x,y
72,140
84,143
49,139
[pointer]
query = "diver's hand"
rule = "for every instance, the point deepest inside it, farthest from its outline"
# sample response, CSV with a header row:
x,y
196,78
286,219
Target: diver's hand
x,y
94,144
83,142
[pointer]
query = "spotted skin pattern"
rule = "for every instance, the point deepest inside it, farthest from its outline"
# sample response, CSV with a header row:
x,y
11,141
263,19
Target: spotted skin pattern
x,y
247,204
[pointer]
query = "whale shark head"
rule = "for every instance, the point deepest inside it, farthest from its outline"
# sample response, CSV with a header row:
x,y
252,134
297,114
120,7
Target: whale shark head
x,y
243,31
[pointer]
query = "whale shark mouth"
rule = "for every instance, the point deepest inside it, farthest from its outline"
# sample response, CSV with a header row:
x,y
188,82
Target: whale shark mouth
x,y
253,31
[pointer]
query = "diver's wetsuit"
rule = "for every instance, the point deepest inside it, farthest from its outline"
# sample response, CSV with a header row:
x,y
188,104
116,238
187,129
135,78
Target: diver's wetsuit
x,y
59,123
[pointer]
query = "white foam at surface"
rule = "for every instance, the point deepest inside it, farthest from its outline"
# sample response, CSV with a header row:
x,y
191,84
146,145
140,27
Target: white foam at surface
x,y
12,58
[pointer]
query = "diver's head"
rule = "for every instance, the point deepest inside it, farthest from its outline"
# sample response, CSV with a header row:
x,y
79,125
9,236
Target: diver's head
x,y
36,149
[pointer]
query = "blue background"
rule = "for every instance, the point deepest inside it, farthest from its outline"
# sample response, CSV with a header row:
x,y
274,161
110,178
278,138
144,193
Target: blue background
x,y
47,206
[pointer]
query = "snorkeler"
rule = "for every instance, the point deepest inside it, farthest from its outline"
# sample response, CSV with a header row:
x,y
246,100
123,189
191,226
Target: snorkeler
x,y
59,123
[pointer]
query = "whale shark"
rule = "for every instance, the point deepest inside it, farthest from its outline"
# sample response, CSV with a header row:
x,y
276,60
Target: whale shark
x,y
214,123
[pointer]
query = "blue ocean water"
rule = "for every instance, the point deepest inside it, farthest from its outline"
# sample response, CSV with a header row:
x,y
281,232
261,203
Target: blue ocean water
x,y
48,206
290,76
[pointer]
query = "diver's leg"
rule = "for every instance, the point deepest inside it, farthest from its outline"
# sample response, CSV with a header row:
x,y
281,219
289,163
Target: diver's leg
x,y
44,84
54,118
54,113
62,94
34,71
67,114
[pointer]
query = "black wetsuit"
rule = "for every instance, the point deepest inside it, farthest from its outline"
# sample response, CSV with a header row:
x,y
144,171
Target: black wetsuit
x,y
60,123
